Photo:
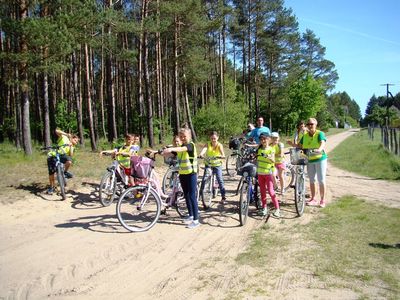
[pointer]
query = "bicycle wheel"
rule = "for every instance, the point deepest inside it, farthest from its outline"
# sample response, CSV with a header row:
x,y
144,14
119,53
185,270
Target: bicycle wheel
x,y
299,193
231,164
61,180
180,205
289,176
108,188
206,193
168,180
138,208
244,201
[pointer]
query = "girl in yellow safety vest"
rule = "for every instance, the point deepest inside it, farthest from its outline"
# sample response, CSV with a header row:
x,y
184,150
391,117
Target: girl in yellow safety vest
x,y
187,160
214,150
123,155
279,160
265,170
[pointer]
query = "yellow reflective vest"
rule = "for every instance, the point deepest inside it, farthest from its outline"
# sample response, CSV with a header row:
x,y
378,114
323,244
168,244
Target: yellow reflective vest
x,y
265,165
212,153
187,164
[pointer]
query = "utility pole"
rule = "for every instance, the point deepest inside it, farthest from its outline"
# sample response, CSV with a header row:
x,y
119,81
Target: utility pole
x,y
388,103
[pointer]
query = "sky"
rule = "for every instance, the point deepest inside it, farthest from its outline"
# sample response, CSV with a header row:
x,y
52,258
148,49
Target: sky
x,y
362,39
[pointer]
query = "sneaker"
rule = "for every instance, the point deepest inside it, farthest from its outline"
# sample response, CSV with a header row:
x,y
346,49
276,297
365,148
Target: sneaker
x,y
68,175
194,224
263,212
322,203
312,203
277,213
50,191
188,220
223,200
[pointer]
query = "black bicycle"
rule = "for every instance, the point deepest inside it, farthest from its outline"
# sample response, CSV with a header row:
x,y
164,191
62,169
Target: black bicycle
x,y
54,151
249,192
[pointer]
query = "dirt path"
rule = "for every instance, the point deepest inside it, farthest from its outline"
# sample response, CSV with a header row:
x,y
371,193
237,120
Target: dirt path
x,y
77,249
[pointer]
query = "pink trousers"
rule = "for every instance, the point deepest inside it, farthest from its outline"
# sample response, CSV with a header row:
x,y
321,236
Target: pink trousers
x,y
266,182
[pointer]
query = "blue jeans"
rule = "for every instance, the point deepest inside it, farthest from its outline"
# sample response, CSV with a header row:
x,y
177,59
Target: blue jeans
x,y
218,174
189,187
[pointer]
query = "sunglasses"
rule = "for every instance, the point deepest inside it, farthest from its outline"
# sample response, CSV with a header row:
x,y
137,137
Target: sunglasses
x,y
310,124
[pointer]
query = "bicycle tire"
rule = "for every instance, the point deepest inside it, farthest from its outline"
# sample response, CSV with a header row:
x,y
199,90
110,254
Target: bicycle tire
x,y
137,214
257,195
180,205
299,194
206,193
107,189
290,174
61,180
232,164
244,203
215,187
168,180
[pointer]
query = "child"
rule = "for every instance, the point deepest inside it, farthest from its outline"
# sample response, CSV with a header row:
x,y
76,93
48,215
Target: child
x,y
67,143
214,150
187,159
136,144
279,160
123,156
265,167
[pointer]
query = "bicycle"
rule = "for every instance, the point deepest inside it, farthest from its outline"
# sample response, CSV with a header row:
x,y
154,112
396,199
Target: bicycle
x,y
62,181
248,156
114,180
289,174
248,192
208,186
233,161
299,158
170,174
140,206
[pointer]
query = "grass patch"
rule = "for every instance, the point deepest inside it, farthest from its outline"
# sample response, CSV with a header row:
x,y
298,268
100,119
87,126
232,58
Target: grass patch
x,y
361,155
354,244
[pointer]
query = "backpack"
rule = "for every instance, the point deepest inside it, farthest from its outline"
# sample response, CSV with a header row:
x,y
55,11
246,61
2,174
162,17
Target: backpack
x,y
141,166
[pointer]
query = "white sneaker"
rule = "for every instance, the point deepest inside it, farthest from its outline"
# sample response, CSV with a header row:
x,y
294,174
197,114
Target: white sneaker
x,y
188,220
194,224
277,213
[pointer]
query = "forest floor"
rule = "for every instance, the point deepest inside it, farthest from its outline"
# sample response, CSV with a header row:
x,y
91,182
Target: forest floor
x,y
76,249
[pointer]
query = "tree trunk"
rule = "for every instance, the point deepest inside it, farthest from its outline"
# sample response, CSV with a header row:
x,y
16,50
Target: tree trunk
x,y
77,97
89,99
175,105
147,87
111,111
24,84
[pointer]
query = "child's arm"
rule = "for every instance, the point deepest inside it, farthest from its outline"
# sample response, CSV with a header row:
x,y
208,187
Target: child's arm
x,y
221,150
203,151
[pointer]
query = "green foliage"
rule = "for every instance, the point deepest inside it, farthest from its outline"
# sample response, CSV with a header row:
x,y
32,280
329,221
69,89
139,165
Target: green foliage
x,y
307,97
226,123
64,119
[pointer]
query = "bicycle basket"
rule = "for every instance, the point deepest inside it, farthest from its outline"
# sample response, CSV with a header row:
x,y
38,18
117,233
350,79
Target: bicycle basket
x,y
248,168
297,157
234,144
170,160
141,166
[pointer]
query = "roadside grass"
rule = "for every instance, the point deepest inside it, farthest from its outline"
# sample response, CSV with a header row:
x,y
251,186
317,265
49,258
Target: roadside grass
x,y
361,155
353,245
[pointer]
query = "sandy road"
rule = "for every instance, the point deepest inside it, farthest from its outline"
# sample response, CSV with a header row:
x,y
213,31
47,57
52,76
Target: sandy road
x,y
76,249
